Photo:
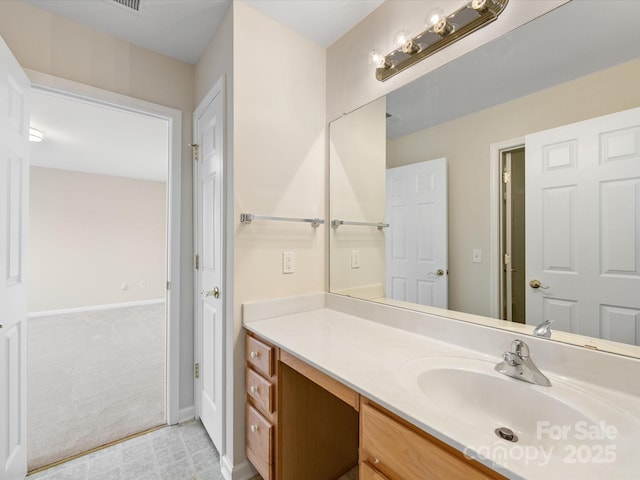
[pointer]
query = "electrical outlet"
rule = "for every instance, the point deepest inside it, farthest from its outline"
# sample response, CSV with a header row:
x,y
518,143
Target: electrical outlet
x,y
477,256
288,262
355,258
143,284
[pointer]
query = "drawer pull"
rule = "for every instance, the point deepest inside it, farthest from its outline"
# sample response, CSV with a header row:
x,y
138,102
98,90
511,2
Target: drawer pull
x,y
254,428
254,354
376,460
253,389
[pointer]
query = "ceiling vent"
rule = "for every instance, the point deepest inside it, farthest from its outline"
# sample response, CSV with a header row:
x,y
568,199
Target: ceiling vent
x,y
131,4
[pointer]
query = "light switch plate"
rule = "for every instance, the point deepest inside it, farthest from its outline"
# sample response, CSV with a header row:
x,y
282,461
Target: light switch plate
x,y
288,262
477,256
355,258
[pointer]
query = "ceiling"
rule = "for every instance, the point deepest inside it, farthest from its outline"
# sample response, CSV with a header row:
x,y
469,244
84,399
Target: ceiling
x,y
82,136
321,21
182,29
87,137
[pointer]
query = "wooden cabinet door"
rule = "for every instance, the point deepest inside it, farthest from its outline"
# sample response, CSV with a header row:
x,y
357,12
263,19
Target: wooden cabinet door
x,y
400,452
368,473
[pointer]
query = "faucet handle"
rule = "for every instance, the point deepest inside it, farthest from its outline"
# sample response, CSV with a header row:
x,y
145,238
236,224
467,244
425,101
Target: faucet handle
x,y
520,348
511,359
544,329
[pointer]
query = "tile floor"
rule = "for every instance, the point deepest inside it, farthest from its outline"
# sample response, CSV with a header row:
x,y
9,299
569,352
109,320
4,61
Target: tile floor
x,y
180,452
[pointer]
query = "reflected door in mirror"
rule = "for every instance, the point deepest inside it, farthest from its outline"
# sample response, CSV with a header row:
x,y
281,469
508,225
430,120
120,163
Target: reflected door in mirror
x,y
416,247
583,226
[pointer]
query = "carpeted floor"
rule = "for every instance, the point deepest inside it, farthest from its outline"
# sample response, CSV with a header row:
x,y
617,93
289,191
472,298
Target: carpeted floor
x,y
93,378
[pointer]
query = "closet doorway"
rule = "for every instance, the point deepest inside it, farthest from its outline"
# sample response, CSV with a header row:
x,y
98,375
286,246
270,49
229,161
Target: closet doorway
x,y
512,236
99,309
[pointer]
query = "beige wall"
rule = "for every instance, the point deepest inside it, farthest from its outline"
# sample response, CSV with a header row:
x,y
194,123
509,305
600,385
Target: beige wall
x,y
357,153
51,44
216,61
275,165
90,233
279,169
465,142
351,81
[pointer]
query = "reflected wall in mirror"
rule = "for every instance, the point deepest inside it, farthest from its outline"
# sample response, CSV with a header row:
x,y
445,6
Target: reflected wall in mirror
x,y
578,62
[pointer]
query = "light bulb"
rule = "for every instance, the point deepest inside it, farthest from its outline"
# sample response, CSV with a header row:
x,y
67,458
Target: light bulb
x,y
433,17
379,60
400,38
375,58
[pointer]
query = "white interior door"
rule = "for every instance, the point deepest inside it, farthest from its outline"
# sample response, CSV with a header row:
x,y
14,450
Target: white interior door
x,y
14,195
209,133
416,246
583,226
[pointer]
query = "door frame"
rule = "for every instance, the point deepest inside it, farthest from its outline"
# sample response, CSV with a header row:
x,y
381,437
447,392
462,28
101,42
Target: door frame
x,y
495,211
69,88
219,88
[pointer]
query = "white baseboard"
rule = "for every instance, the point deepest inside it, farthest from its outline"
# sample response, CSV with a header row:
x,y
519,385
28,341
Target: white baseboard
x,y
186,414
94,308
242,471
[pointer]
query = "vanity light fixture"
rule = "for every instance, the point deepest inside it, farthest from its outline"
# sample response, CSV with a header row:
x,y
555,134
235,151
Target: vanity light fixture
x,y
441,30
35,135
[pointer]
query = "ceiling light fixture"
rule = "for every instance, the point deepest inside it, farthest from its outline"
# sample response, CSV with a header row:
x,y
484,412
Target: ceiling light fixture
x,y
441,30
35,135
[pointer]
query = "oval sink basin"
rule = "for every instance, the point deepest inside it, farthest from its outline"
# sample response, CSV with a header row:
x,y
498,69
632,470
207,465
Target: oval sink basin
x,y
470,399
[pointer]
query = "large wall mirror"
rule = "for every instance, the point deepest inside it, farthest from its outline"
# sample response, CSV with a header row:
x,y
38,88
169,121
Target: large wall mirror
x,y
474,193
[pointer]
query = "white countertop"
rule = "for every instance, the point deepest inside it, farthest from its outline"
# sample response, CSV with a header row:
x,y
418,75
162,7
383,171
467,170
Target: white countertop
x,y
370,357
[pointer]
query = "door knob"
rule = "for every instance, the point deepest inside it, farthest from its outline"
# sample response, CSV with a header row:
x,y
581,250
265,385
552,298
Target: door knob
x,y
438,272
537,284
215,292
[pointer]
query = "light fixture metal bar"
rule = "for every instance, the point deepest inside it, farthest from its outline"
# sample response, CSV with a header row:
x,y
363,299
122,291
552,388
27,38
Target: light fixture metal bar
x,y
247,218
484,17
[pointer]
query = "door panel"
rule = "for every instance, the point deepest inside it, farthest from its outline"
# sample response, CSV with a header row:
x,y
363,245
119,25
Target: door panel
x,y
14,178
14,213
620,227
583,226
210,394
558,228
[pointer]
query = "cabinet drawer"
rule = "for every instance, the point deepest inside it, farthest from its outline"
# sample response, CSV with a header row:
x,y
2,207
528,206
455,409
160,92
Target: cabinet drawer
x,y
260,390
401,453
259,434
260,356
368,473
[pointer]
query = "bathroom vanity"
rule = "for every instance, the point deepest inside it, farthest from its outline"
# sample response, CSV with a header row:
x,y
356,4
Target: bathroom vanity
x,y
328,390
313,431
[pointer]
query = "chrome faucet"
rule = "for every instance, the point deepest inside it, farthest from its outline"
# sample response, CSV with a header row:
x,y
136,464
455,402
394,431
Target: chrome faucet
x,y
544,329
518,364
